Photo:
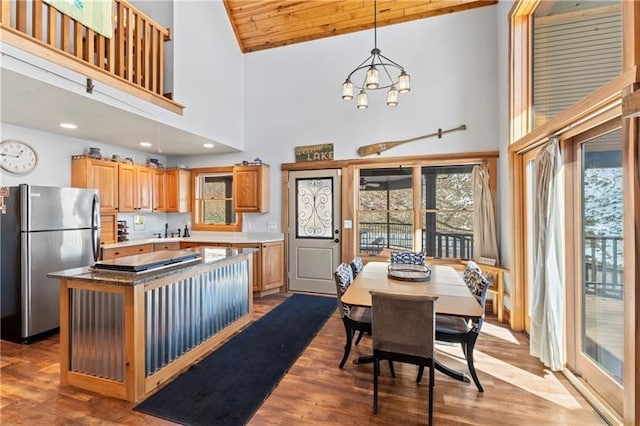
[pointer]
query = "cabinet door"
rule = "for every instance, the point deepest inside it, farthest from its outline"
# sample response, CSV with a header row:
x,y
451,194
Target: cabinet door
x,y
97,174
159,191
127,188
251,188
104,177
272,265
178,191
144,187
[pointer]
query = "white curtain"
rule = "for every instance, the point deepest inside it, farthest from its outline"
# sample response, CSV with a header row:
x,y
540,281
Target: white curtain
x,y
547,305
485,238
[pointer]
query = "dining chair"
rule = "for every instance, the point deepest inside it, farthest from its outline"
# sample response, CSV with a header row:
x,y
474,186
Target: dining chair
x,y
354,318
453,329
412,257
403,328
356,266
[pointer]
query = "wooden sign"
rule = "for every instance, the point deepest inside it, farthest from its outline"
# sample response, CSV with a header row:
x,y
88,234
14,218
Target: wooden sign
x,y
319,152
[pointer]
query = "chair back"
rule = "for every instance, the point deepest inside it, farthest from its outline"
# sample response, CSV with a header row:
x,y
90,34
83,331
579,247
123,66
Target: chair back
x,y
403,324
343,276
478,285
356,266
411,257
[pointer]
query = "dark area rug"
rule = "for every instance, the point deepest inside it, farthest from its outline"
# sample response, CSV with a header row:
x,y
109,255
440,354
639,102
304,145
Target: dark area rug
x,y
229,385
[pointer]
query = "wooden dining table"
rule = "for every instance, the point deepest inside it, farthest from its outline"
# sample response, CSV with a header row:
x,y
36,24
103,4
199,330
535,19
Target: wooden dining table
x,y
454,297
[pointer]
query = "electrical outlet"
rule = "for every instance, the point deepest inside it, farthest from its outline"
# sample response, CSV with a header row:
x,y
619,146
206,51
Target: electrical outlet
x,y
271,225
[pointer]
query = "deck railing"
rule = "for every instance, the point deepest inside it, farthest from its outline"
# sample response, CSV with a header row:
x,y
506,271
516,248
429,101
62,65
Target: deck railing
x,y
374,236
603,273
135,52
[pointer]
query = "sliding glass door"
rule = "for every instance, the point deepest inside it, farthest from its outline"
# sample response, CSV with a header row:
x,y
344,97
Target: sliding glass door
x,y
598,286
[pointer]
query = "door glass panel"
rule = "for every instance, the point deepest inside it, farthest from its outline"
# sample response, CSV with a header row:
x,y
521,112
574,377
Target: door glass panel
x,y
602,247
314,208
385,210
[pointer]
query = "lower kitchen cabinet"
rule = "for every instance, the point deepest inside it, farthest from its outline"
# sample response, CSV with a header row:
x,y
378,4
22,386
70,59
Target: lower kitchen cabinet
x,y
172,245
268,267
112,253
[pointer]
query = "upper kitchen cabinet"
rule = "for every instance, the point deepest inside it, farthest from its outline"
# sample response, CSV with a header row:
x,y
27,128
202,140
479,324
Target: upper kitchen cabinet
x,y
135,188
251,188
178,190
87,172
159,190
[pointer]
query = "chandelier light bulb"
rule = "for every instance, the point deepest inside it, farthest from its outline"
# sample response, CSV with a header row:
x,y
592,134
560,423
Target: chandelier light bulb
x,y
363,101
377,72
347,90
392,97
404,83
372,78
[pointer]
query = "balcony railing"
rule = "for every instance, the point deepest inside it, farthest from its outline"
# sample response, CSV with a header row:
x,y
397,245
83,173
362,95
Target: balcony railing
x,y
133,55
603,273
375,236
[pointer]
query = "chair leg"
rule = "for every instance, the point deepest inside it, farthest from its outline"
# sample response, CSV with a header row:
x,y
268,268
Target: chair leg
x,y
431,389
393,373
359,337
347,346
472,368
376,371
420,372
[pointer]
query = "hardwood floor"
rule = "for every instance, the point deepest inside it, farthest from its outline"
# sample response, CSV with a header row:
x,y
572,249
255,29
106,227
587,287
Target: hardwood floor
x,y
518,389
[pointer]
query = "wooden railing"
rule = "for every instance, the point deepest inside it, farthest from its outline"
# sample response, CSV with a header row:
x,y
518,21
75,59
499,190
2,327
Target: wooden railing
x,y
134,54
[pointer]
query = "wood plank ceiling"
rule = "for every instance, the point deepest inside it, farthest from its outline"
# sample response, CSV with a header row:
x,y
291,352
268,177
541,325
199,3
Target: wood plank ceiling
x,y
263,24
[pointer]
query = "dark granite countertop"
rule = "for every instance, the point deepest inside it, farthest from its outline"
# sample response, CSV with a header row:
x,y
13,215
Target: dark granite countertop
x,y
207,256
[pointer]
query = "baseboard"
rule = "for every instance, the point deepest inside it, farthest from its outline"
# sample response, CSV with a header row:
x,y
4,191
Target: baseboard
x,y
598,404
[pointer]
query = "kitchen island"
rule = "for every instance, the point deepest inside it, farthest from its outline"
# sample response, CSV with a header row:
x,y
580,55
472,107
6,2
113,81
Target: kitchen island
x,y
129,325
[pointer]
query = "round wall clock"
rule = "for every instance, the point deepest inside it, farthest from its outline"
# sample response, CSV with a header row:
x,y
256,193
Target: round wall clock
x,y
17,157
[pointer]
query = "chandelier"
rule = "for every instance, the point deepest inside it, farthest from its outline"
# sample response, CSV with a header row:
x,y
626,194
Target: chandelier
x,y
375,65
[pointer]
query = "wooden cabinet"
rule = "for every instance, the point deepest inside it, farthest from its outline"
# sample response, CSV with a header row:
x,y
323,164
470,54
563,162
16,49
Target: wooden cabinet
x,y
112,253
268,266
272,265
87,172
171,245
108,229
189,244
178,190
251,188
135,188
159,190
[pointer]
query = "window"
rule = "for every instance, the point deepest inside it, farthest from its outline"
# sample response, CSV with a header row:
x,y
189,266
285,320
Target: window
x,y
447,207
577,48
385,210
213,200
425,208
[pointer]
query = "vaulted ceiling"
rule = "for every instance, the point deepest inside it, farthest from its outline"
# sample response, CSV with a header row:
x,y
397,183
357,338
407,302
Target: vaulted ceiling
x,y
263,24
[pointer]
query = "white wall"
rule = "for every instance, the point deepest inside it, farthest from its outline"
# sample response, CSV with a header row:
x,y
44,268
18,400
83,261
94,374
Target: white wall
x,y
292,96
208,70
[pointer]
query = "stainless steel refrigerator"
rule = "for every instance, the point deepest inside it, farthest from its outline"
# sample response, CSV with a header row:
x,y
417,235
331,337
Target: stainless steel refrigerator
x,y
42,229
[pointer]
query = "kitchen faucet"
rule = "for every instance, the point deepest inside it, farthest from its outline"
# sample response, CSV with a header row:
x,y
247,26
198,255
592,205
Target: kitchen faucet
x,y
166,230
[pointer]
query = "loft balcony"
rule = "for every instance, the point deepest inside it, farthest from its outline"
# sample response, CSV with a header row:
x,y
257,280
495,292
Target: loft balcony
x,y
132,60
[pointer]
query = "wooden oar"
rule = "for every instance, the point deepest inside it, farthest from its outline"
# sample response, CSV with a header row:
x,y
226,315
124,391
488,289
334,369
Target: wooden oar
x,y
377,148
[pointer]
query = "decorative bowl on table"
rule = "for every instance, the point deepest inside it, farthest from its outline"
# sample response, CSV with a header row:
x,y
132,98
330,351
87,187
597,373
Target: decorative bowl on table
x,y
409,272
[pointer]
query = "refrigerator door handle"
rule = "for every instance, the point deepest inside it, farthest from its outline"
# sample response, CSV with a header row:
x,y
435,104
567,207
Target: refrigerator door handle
x,y
95,227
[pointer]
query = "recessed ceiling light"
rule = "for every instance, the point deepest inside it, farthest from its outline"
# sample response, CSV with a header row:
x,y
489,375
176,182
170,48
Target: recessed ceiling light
x,y
68,126
207,145
147,144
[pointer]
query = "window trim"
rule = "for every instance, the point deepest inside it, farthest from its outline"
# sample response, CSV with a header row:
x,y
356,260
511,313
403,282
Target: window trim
x,y
195,216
